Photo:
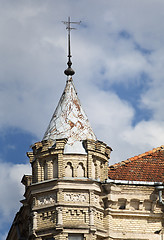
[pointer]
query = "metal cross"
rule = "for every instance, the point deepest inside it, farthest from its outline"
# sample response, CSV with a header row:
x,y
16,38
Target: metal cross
x,y
69,28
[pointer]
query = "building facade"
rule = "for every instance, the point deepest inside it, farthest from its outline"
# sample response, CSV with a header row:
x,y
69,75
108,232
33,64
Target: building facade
x,y
73,194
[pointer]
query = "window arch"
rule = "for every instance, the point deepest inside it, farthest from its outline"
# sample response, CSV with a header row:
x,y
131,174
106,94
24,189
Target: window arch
x,y
122,203
80,170
93,170
101,171
45,171
55,169
69,170
134,204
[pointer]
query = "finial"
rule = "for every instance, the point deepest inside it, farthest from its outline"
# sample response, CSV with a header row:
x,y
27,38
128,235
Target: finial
x,y
69,71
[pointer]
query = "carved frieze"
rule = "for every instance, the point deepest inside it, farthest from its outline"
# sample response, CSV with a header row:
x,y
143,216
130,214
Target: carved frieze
x,y
45,200
75,197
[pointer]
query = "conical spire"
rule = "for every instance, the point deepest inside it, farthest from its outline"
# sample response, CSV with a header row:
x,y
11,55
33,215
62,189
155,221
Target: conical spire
x,y
69,120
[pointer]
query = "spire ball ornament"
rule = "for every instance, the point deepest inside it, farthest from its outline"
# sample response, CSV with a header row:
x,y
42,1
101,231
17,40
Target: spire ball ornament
x,y
69,71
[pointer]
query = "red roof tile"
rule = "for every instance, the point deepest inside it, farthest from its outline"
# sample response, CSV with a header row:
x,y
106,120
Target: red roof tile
x,y
148,167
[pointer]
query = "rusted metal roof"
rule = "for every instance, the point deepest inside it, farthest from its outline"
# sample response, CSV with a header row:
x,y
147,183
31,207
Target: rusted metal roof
x,y
69,120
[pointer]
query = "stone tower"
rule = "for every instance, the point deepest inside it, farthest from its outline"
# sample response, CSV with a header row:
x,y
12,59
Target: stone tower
x,y
63,197
68,167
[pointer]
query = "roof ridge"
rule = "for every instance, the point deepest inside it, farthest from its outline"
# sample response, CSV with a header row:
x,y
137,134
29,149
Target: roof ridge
x,y
116,165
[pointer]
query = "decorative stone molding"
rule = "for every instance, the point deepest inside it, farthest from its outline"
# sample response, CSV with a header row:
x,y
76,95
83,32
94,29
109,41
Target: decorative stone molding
x,y
98,215
76,216
75,197
49,215
45,200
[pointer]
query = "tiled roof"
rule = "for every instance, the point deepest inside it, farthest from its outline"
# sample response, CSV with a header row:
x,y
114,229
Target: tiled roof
x,y
148,167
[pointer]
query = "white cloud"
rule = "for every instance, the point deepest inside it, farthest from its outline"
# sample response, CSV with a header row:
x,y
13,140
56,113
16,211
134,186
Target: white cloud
x,y
33,57
112,118
33,50
11,189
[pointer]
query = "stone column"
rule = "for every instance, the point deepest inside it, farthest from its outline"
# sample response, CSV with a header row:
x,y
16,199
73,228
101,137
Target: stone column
x,y
50,169
60,216
41,170
91,217
106,171
34,215
89,164
60,165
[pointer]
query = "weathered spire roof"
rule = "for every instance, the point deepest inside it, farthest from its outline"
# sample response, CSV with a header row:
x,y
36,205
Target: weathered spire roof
x,y
69,120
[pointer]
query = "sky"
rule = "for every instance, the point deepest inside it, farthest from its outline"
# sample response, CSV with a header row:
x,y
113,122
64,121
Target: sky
x,y
118,57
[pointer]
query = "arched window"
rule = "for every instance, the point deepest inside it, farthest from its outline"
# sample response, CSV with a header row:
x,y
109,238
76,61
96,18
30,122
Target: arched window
x,y
134,204
148,205
122,203
55,168
101,172
45,171
80,170
69,170
93,170
34,173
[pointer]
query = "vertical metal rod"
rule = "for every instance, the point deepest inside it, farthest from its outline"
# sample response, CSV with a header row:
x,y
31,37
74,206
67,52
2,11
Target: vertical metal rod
x,y
69,70
69,44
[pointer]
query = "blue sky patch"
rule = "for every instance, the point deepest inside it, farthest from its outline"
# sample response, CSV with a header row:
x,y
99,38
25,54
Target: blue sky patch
x,y
124,34
4,225
14,143
131,93
142,50
83,25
